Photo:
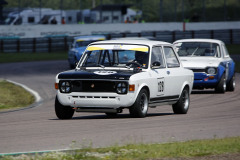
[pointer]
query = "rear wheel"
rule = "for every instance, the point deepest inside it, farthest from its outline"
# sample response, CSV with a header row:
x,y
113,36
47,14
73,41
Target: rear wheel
x,y
63,112
140,107
182,105
231,84
221,87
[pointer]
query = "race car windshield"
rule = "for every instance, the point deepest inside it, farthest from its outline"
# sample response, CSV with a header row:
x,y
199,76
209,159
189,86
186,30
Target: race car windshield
x,y
82,43
116,57
203,49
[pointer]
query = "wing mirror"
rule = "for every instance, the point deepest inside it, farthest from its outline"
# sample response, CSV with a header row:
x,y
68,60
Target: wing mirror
x,y
156,64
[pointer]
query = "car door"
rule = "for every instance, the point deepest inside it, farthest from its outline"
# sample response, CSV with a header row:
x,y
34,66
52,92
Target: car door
x,y
175,77
228,62
158,74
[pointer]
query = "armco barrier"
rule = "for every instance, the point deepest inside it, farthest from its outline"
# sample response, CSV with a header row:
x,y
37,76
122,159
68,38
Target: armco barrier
x,y
53,44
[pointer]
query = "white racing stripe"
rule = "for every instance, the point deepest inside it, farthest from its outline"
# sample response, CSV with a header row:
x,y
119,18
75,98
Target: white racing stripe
x,y
35,152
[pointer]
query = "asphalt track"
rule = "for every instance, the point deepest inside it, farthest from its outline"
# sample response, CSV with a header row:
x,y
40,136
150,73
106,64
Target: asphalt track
x,y
36,129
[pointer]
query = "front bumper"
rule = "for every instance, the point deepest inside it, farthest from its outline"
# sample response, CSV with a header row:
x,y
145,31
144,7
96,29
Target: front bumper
x,y
204,80
96,100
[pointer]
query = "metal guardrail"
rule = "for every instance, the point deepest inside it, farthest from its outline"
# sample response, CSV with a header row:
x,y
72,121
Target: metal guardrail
x,y
52,44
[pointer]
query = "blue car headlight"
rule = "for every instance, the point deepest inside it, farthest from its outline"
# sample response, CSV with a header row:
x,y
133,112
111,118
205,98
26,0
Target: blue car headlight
x,y
211,70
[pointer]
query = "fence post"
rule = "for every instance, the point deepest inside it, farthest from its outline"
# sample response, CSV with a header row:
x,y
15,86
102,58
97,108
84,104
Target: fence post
x,y
231,36
193,34
65,43
1,46
34,45
18,45
109,36
154,34
173,36
49,44
212,34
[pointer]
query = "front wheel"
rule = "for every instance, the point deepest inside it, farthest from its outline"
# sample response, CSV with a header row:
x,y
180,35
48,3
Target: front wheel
x,y
231,84
140,107
63,112
221,87
182,105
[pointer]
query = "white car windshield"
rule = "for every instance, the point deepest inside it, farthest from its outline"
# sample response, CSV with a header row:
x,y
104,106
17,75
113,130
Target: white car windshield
x,y
185,49
116,56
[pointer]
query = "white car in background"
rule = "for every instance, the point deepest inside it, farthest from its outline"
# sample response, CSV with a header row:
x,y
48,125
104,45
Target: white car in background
x,y
118,74
210,61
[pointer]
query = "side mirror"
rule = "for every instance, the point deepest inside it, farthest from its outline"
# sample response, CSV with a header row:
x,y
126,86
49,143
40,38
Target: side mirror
x,y
156,64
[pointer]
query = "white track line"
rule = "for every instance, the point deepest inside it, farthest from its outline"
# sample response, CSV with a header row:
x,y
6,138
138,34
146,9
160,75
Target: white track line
x,y
38,99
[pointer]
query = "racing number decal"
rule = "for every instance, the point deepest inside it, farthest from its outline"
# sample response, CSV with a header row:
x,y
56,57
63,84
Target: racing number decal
x,y
160,86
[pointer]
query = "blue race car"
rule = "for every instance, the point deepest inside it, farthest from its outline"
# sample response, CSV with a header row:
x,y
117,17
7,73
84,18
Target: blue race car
x,y
210,61
78,47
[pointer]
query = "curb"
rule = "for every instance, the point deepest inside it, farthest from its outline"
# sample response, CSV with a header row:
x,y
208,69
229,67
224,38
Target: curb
x,y
38,99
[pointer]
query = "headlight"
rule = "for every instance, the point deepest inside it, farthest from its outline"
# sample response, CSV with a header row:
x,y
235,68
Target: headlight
x,y
65,87
211,70
122,88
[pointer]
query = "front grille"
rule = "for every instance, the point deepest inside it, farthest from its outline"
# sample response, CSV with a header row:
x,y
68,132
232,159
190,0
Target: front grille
x,y
93,97
93,86
198,70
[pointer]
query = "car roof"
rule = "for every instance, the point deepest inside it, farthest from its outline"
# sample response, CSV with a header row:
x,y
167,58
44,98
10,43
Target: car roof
x,y
90,38
199,40
135,38
128,41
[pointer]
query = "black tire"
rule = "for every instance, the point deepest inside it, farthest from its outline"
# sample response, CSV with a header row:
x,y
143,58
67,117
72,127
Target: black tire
x,y
182,105
140,107
63,112
221,87
231,84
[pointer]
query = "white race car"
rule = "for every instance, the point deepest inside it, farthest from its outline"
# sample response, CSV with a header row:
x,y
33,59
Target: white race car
x,y
117,74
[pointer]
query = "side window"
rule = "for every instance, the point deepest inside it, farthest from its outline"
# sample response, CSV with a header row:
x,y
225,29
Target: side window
x,y
157,56
171,58
226,54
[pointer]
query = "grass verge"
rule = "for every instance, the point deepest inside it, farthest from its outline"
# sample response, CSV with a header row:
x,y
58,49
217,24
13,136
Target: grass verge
x,y
13,96
27,57
190,149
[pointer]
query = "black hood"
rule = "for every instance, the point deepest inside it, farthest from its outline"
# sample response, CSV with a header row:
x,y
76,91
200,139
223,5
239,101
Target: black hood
x,y
97,74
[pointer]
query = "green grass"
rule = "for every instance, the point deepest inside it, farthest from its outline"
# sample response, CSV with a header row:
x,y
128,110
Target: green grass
x,y
190,149
13,96
26,57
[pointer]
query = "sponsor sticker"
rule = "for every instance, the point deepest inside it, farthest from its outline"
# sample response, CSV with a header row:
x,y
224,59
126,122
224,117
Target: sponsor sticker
x,y
104,72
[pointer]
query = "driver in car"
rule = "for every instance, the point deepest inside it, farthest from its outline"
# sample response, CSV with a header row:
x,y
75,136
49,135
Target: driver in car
x,y
141,58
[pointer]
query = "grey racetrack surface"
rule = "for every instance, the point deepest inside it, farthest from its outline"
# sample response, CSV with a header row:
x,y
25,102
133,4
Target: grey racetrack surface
x,y
210,115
